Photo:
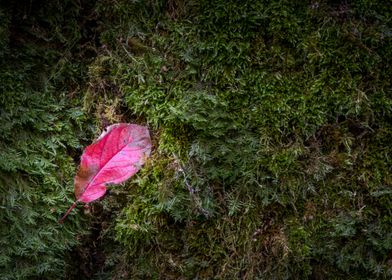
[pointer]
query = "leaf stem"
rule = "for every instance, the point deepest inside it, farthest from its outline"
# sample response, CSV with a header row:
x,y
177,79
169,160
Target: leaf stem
x,y
66,213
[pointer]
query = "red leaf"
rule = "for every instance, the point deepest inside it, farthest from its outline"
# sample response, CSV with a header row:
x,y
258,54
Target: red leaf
x,y
118,154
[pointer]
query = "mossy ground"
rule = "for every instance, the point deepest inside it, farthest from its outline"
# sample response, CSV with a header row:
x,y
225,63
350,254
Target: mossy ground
x,y
271,123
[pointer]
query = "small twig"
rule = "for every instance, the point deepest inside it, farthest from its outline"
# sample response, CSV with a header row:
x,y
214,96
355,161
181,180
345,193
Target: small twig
x,y
191,190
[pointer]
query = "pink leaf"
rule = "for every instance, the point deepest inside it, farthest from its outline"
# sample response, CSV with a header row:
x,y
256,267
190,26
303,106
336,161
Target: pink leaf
x,y
118,154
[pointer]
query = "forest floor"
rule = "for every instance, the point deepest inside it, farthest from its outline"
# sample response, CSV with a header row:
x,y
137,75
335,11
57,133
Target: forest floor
x,y
271,124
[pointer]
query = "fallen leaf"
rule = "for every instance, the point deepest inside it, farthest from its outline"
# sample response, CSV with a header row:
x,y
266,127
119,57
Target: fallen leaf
x,y
118,154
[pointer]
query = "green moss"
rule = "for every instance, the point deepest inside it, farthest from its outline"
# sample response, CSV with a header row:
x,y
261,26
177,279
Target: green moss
x,y
42,130
271,129
271,119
